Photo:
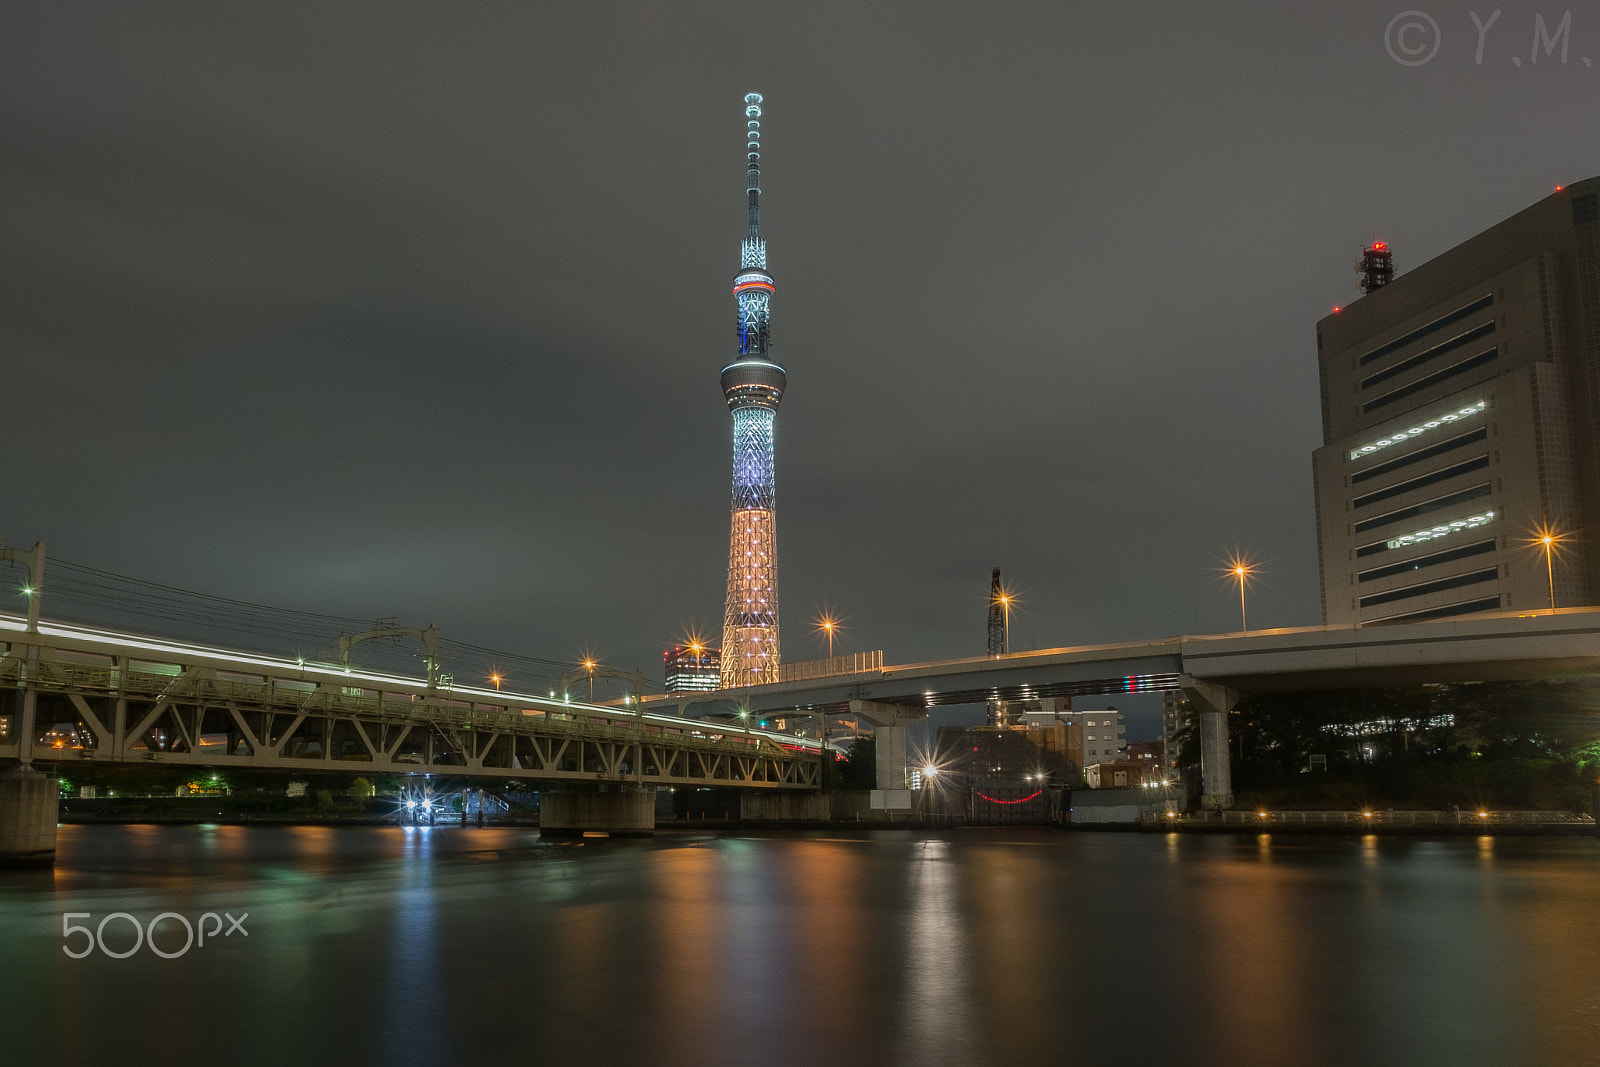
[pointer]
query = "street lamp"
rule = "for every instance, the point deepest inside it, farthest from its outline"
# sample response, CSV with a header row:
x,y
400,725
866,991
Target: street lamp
x,y
589,665
495,678
1241,571
1004,600
1548,539
828,626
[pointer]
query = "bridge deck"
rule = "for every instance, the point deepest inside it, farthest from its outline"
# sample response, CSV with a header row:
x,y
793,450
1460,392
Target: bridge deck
x,y
136,699
1472,648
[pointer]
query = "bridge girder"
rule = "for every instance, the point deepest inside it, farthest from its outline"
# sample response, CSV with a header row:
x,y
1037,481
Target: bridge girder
x,y
130,710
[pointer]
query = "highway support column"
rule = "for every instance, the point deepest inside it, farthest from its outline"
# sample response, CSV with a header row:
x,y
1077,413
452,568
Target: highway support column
x,y
889,735
1211,703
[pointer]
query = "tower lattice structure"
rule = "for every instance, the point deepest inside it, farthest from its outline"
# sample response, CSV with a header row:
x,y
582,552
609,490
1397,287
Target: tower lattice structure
x,y
999,710
753,384
997,616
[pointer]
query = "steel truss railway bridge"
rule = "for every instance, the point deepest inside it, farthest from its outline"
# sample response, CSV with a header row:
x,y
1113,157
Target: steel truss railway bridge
x,y
137,699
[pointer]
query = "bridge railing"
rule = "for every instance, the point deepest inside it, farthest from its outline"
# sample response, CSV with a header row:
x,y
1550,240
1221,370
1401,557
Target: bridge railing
x,y
851,663
1358,819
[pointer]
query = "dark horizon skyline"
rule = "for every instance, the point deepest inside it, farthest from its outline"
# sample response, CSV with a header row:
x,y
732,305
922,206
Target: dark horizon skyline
x,y
406,314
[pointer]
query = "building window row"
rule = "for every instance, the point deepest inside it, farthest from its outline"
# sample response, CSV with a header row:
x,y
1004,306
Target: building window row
x,y
1428,355
1486,604
1424,508
1433,327
1478,464
1449,556
1433,532
1456,582
1435,378
1480,434
1421,428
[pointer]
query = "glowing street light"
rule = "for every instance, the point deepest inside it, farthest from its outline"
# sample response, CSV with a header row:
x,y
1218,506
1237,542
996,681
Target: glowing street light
x,y
589,666
1548,539
1005,598
1241,570
828,626
495,678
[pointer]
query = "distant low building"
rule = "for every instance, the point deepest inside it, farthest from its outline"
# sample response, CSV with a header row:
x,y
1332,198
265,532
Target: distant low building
x,y
1008,753
1122,774
692,668
1151,754
1100,731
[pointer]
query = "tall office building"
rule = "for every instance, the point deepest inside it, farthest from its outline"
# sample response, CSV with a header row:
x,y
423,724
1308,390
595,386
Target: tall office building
x,y
1460,408
753,385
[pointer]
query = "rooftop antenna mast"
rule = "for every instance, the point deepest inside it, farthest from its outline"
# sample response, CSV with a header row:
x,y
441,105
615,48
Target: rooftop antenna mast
x,y
1376,267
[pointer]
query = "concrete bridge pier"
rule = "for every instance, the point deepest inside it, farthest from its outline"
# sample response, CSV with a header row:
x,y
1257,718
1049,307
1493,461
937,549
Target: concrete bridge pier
x,y
889,733
620,813
30,802
1212,703
29,805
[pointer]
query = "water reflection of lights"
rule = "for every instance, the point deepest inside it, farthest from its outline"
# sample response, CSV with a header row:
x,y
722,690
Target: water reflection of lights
x,y
1369,850
937,1027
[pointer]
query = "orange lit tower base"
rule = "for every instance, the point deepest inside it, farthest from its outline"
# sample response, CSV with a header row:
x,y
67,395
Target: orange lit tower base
x,y
750,629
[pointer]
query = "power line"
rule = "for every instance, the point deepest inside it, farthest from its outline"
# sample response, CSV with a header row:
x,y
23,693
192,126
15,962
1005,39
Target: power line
x,y
78,592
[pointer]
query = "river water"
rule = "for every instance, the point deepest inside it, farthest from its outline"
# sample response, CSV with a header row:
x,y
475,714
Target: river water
x,y
441,946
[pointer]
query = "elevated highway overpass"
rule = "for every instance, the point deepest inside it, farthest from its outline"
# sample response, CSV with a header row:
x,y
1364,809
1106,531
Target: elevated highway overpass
x,y
1211,670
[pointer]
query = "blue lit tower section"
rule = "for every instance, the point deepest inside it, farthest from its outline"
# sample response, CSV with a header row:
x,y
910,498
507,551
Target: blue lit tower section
x,y
753,385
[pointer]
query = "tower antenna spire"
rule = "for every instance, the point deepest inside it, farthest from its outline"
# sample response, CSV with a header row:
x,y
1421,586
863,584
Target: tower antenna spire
x,y
753,385
752,147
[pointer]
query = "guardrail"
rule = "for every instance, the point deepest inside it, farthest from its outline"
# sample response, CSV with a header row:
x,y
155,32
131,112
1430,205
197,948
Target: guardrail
x,y
853,663
1360,819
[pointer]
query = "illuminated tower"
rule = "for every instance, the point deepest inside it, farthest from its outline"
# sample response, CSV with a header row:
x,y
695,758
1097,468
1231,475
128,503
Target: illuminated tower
x,y
753,384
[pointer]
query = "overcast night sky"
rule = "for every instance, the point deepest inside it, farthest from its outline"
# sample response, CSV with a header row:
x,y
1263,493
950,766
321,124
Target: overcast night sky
x,y
418,310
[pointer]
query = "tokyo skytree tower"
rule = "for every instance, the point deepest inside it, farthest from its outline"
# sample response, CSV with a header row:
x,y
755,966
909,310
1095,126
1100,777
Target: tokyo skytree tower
x,y
753,384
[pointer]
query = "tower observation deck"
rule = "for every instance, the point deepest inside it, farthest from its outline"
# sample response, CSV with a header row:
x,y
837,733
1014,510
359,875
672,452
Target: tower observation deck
x,y
753,384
